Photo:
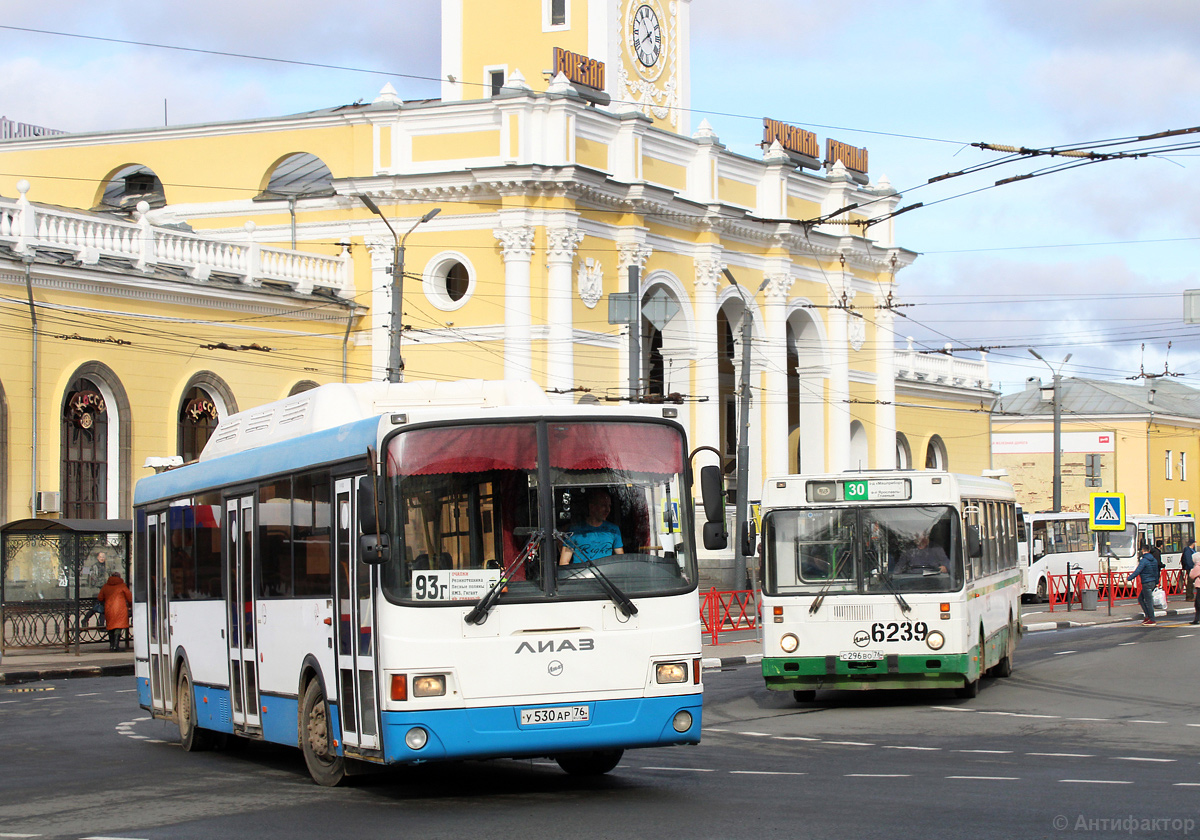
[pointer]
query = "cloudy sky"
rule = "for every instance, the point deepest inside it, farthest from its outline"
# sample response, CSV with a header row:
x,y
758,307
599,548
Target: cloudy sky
x,y
1091,261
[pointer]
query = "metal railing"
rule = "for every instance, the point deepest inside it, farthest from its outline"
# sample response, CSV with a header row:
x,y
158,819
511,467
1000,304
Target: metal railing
x,y
726,612
1110,587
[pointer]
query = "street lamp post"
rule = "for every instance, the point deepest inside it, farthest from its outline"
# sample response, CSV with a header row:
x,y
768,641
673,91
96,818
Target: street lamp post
x,y
395,363
742,504
1057,404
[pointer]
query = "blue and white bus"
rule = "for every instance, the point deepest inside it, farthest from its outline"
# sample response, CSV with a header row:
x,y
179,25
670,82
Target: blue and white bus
x,y
893,579
371,573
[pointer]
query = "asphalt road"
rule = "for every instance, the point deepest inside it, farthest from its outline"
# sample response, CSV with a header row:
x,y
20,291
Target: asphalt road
x,y
1095,735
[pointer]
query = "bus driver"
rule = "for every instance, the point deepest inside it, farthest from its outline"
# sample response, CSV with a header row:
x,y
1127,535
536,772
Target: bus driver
x,y
595,537
923,557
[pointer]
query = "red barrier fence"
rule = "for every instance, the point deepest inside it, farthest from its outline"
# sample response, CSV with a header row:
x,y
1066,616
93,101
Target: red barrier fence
x,y
1106,583
722,612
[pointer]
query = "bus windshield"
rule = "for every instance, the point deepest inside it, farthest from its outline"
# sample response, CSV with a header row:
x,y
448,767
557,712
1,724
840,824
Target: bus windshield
x,y
471,502
862,550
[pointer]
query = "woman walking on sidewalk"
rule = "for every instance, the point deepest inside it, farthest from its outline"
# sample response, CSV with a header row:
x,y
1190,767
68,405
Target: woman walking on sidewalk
x,y
117,599
1148,570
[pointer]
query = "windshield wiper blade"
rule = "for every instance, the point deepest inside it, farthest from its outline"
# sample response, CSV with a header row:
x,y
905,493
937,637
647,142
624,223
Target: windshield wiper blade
x,y
624,604
887,581
479,613
816,604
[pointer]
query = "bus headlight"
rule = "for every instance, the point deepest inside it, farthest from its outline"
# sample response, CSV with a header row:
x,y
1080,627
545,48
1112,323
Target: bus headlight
x,y
935,640
416,738
670,672
431,685
789,642
682,721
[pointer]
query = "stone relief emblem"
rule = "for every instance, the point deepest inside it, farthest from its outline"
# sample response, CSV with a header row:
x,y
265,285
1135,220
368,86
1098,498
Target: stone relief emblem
x,y
591,282
858,333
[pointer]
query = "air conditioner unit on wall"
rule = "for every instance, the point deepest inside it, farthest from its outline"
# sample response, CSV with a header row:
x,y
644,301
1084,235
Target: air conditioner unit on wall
x,y
49,501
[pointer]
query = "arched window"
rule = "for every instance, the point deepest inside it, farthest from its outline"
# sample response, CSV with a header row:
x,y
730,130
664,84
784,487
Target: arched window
x,y
129,185
903,452
299,174
84,452
935,455
198,418
859,450
302,386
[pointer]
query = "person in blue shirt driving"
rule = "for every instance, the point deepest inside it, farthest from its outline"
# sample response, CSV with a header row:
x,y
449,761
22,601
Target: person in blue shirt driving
x,y
595,537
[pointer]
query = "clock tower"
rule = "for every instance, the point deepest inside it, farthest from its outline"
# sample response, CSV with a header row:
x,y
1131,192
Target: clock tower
x,y
636,49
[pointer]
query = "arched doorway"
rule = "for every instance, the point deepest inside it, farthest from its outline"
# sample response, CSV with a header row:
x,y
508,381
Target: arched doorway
x,y
806,372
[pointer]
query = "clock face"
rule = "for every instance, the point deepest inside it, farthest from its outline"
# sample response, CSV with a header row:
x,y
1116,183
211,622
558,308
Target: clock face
x,y
646,36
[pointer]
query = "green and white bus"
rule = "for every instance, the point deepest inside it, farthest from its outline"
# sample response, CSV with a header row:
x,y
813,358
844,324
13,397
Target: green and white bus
x,y
888,579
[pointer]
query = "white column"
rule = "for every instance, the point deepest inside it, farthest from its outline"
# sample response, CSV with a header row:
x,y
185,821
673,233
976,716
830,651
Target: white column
x,y
382,251
631,252
839,376
560,353
775,394
885,385
708,413
516,246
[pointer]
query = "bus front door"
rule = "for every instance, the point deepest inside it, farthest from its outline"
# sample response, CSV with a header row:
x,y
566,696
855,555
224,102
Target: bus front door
x,y
158,586
240,612
356,627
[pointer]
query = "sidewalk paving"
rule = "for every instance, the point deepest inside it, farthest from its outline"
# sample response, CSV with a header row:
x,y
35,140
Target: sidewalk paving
x,y
740,647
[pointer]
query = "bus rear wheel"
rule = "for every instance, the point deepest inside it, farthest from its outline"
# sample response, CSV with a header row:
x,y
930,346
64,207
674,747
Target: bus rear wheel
x,y
804,695
191,737
1041,591
591,763
326,767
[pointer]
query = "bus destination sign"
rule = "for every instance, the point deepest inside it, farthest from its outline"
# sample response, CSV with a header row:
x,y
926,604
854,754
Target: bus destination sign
x,y
876,490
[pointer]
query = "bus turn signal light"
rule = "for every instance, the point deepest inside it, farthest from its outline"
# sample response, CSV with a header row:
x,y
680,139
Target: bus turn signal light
x,y
399,687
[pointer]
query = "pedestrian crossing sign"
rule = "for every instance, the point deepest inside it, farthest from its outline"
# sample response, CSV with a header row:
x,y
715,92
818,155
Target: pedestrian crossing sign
x,y
1108,512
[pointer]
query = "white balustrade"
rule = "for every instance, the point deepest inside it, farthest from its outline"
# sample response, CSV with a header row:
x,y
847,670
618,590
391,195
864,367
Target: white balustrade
x,y
24,226
942,369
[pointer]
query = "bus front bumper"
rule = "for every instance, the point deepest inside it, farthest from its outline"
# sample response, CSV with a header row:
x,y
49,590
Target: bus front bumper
x,y
808,673
497,731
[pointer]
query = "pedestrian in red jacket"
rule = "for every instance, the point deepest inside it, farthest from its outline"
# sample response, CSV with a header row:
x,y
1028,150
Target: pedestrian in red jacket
x,y
117,599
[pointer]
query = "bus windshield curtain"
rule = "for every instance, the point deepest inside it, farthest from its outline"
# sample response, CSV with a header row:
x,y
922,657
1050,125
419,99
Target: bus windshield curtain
x,y
645,448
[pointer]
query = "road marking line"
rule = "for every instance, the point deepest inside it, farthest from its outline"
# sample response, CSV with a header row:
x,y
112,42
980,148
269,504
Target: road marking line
x,y
877,775
1186,636
796,738
1187,784
7,834
1064,652
951,709
1064,755
1147,721
988,752
765,773
757,734
1139,758
683,769
714,729
850,743
1093,720
89,694
989,778
34,835
1093,782
932,749
1125,644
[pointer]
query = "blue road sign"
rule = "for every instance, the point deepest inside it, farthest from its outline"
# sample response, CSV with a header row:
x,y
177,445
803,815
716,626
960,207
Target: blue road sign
x,y
1108,512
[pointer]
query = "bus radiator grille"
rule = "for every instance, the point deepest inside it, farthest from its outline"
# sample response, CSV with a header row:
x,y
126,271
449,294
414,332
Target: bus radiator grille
x,y
853,612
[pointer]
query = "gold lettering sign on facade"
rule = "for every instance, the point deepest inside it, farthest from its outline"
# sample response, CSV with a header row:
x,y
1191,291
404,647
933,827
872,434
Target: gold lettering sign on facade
x,y
579,68
851,157
82,406
791,137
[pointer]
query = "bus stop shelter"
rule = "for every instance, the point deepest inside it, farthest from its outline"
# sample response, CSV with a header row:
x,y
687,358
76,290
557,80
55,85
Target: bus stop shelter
x,y
50,572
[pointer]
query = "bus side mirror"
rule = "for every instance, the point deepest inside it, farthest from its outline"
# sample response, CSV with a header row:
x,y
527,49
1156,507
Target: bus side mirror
x,y
712,490
715,536
974,545
374,550
749,538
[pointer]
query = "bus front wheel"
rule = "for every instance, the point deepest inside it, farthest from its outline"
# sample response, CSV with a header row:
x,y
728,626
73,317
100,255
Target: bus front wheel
x,y
326,767
1041,591
191,737
592,763
804,695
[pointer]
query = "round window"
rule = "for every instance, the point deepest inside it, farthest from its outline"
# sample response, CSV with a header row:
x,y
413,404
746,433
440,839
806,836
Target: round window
x,y
457,281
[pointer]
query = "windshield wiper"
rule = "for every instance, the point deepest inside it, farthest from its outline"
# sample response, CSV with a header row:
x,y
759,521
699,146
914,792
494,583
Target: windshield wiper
x,y
886,577
816,604
479,613
624,604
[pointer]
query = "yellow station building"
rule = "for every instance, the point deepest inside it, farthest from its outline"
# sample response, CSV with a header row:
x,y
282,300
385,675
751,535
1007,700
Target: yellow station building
x,y
177,274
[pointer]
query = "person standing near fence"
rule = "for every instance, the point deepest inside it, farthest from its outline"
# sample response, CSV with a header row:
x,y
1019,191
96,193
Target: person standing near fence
x,y
1188,562
117,599
1147,570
